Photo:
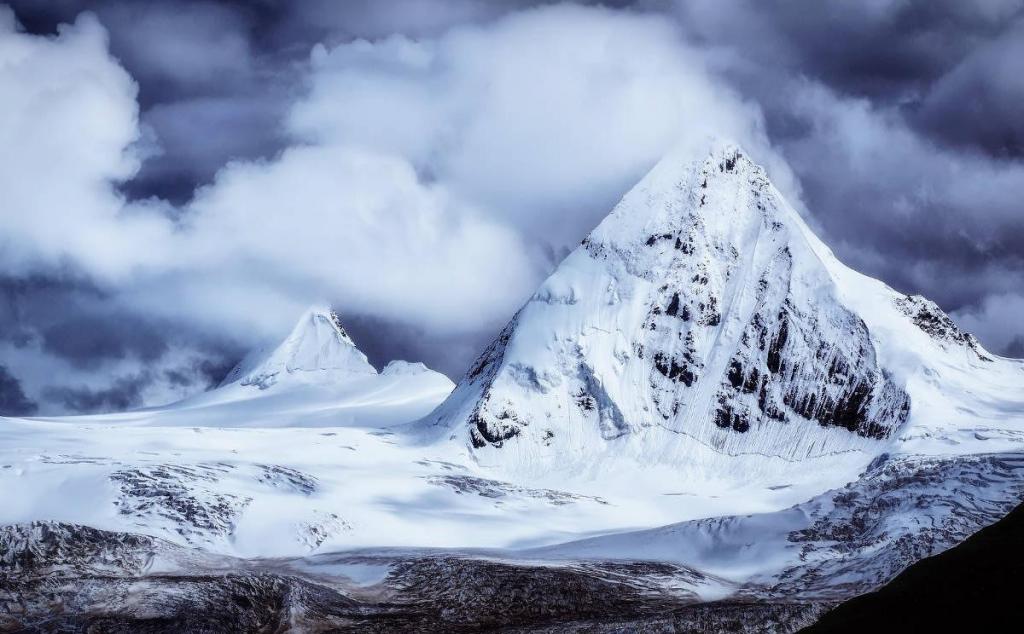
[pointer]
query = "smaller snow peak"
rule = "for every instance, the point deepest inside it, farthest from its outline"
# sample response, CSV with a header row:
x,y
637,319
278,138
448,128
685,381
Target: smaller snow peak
x,y
320,342
322,314
331,319
317,349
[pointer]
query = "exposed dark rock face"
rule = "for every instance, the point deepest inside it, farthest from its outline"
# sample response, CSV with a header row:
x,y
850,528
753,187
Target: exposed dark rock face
x,y
185,494
927,316
484,367
793,360
706,618
674,369
793,363
494,430
486,428
41,548
287,479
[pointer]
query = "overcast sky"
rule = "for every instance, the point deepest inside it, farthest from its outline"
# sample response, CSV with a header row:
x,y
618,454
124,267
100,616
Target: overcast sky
x,y
179,180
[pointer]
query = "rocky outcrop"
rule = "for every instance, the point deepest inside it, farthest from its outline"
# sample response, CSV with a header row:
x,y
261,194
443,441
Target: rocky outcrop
x,y
927,316
66,578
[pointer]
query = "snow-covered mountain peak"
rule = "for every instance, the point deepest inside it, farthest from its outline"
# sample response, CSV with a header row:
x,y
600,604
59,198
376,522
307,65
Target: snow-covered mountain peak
x,y
318,348
724,200
678,186
701,317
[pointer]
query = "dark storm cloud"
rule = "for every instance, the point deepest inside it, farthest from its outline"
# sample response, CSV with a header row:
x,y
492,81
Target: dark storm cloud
x,y
197,136
73,320
978,102
88,340
13,401
38,301
1015,348
124,393
70,328
889,50
204,373
383,340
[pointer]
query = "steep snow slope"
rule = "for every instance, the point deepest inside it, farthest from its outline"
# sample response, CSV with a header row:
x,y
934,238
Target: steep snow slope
x,y
702,326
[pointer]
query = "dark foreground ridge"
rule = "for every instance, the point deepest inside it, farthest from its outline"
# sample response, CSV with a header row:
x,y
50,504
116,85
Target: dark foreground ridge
x,y
973,587
68,578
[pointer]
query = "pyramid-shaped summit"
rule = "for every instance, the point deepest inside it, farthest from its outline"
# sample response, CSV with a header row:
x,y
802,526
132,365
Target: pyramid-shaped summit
x,y
317,349
701,308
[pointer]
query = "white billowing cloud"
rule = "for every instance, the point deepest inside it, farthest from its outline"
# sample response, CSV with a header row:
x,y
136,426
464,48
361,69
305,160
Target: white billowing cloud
x,y
67,116
349,225
432,182
359,228
435,178
544,117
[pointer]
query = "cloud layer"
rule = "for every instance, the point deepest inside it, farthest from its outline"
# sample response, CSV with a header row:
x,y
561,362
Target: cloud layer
x,y
424,169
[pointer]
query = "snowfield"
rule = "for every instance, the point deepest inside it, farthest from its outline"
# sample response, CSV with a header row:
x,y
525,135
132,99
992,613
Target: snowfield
x,y
701,383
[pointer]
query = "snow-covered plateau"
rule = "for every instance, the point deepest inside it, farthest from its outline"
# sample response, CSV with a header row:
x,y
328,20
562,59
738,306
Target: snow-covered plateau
x,y
701,413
